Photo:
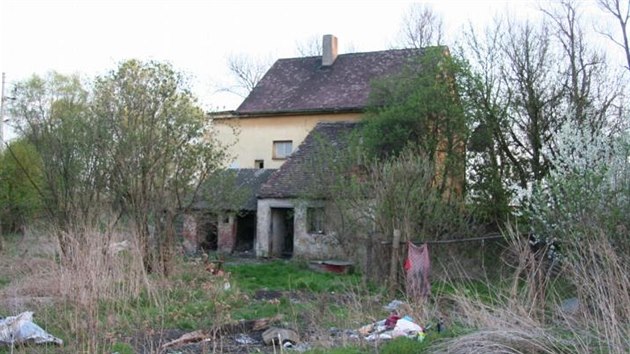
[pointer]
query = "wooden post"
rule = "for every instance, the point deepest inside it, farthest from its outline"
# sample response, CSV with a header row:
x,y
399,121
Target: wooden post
x,y
368,271
393,268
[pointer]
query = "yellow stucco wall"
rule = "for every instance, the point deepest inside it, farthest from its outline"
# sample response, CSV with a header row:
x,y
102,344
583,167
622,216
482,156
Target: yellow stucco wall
x,y
253,137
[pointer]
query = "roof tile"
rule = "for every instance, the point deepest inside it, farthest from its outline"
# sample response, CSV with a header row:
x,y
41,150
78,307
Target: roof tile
x,y
303,84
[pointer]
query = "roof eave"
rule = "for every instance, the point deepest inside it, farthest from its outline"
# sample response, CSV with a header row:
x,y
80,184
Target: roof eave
x,y
294,112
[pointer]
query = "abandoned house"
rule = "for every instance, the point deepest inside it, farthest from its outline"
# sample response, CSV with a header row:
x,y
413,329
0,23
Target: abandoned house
x,y
297,93
296,100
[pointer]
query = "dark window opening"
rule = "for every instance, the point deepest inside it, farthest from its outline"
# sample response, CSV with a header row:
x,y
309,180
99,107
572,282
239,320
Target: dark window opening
x,y
316,219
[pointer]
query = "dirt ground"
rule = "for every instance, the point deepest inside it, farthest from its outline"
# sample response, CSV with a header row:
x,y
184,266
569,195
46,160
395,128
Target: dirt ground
x,y
245,338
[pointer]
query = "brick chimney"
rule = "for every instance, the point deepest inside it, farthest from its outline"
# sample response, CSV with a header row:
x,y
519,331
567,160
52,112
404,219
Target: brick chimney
x,y
329,50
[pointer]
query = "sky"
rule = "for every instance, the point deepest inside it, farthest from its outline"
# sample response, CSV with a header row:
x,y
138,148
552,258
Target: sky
x,y
92,37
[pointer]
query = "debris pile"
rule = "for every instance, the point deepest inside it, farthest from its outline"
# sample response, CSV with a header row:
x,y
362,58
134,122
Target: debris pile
x,y
392,327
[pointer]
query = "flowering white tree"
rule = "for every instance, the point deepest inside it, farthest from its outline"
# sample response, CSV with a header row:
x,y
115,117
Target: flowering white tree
x,y
587,190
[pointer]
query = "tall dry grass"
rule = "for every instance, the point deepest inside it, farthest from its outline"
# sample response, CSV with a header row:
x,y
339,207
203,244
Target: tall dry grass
x,y
100,269
599,271
524,312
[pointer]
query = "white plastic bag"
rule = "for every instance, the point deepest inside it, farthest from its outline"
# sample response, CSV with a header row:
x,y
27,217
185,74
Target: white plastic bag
x,y
21,329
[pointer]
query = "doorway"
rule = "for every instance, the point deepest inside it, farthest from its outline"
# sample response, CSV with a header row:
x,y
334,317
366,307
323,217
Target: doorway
x,y
282,232
245,232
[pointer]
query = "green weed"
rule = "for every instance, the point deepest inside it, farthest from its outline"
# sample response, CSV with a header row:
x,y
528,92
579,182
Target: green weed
x,y
284,275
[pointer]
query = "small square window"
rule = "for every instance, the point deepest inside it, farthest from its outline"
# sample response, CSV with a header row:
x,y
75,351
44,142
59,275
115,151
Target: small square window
x,y
259,164
316,219
282,149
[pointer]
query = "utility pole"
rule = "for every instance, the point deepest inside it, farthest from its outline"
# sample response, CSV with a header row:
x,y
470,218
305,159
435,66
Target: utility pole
x,y
2,114
2,119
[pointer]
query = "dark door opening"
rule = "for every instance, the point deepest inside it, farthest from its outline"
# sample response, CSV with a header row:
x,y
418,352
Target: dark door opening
x,y
245,232
282,232
208,233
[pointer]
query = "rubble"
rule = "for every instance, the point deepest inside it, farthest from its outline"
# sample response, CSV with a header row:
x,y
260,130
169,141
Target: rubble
x,y
275,335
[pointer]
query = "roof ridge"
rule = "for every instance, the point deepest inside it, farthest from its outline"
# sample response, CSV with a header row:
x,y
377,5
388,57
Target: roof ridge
x,y
360,53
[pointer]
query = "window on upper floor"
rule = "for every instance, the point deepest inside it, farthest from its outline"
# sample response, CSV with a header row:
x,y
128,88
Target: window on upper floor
x,y
282,149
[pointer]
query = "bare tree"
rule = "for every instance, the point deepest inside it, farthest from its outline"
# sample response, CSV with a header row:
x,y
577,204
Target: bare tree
x,y
515,98
246,71
491,170
421,27
310,47
622,15
587,90
535,96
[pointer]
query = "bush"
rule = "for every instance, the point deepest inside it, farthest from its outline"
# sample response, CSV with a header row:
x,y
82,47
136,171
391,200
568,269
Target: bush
x,y
20,179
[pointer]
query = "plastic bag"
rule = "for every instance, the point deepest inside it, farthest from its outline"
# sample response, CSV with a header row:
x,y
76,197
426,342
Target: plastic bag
x,y
21,329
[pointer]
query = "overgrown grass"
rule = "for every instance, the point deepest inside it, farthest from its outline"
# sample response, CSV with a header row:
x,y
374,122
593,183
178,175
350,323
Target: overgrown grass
x,y
98,302
287,275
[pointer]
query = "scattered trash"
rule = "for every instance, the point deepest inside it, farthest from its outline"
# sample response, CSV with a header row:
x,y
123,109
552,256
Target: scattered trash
x,y
232,328
391,321
276,335
117,247
244,339
404,327
191,337
215,267
21,329
440,325
570,306
395,325
302,347
395,305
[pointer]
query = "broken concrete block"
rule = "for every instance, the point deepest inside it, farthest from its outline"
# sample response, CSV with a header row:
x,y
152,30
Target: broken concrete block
x,y
276,335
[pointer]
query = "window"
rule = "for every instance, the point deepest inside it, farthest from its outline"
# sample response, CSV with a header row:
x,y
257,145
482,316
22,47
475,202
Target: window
x,y
316,219
282,149
259,164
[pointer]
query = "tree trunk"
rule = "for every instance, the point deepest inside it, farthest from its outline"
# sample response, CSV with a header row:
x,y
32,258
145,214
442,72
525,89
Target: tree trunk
x,y
167,246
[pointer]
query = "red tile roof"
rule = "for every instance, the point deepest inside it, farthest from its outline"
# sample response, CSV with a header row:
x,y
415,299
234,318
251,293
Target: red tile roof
x,y
303,85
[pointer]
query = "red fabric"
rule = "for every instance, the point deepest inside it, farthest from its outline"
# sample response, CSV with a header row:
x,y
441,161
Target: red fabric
x,y
407,264
417,267
391,321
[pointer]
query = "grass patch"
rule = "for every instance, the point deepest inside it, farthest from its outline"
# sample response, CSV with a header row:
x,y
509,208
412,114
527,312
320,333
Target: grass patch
x,y
4,281
341,350
403,345
286,275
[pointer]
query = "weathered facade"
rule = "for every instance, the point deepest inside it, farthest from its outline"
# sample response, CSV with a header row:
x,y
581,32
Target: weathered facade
x,y
293,220
227,221
299,103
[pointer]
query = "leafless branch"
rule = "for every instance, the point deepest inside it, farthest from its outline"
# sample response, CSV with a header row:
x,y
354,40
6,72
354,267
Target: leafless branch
x,y
247,72
310,47
615,8
421,27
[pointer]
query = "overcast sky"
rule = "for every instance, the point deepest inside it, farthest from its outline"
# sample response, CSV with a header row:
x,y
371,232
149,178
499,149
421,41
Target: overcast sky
x,y
92,36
